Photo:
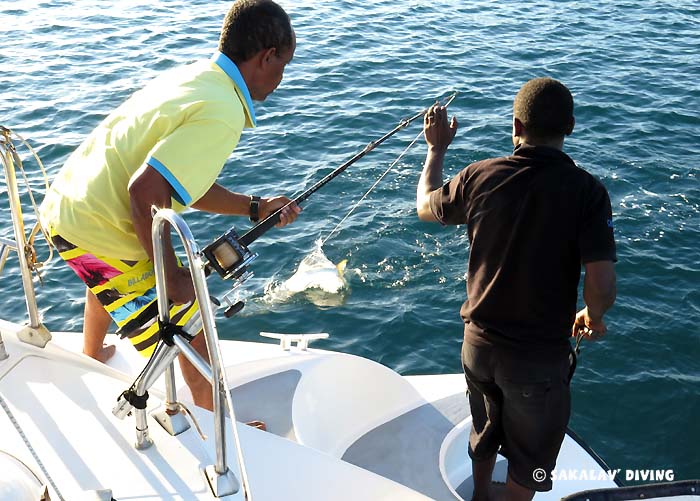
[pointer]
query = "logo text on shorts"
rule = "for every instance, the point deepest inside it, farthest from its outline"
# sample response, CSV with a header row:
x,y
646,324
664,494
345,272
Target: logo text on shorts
x,y
145,275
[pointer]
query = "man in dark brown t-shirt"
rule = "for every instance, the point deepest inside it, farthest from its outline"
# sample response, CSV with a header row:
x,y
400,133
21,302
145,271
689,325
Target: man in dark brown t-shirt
x,y
533,219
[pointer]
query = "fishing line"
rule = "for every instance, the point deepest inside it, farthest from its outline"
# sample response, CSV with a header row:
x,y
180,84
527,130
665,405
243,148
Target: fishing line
x,y
267,223
335,230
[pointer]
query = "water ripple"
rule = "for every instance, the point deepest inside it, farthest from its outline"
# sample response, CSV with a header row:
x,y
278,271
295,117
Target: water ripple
x,y
360,67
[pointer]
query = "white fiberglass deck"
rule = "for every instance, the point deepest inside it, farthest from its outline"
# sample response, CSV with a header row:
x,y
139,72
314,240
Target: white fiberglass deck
x,y
334,420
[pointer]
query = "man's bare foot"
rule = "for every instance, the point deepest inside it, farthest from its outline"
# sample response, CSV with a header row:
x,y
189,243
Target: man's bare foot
x,y
103,354
257,424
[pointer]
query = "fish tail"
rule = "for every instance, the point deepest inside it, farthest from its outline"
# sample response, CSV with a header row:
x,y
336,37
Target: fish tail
x,y
341,266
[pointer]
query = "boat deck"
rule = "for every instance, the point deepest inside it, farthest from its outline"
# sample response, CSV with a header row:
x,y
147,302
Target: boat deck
x,y
335,417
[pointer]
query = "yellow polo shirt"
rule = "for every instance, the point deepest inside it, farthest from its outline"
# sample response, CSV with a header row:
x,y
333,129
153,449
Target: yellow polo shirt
x,y
185,124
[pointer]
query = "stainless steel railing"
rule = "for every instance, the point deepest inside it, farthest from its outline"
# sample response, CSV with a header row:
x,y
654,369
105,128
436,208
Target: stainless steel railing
x,y
222,480
34,333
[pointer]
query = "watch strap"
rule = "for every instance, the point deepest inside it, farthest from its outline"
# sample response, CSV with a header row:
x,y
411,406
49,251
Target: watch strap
x,y
254,208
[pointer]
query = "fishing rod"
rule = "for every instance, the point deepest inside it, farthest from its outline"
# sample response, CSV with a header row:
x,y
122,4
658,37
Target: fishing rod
x,y
274,218
229,254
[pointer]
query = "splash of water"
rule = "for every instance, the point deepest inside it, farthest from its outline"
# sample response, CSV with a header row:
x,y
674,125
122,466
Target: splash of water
x,y
321,281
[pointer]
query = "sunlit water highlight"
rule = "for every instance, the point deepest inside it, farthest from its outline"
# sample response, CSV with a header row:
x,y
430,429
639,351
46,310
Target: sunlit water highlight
x,y
361,67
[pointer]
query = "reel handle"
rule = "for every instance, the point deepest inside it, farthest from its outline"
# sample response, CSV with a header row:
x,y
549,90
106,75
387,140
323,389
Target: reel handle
x,y
233,309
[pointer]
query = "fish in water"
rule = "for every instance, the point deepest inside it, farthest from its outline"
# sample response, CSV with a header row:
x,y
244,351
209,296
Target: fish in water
x,y
317,278
316,271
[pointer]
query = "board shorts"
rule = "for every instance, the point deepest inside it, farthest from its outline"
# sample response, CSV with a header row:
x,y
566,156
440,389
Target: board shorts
x,y
127,290
520,406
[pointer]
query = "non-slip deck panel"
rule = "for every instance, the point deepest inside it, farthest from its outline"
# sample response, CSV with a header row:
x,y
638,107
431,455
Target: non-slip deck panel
x,y
407,448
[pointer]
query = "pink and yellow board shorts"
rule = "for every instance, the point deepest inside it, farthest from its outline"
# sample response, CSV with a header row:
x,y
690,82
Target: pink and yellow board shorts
x,y
127,290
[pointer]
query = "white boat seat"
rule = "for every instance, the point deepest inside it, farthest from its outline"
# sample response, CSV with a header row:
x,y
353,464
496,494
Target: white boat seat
x,y
326,401
341,397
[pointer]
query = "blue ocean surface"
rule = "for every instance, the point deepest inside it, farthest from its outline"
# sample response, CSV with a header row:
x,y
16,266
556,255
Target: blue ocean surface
x,y
361,67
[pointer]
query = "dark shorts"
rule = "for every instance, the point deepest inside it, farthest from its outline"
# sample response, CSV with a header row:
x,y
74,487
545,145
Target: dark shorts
x,y
520,404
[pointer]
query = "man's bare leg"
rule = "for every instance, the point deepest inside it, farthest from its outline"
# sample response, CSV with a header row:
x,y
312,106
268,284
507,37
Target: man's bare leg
x,y
481,473
198,385
516,492
96,322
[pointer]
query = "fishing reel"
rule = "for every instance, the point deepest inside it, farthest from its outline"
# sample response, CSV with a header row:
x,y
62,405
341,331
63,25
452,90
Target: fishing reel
x,y
230,258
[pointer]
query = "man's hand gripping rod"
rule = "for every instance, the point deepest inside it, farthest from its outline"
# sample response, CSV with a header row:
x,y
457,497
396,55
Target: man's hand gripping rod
x,y
229,254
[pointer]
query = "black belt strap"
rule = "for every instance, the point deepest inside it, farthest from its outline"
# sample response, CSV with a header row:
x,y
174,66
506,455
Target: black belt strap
x,y
168,331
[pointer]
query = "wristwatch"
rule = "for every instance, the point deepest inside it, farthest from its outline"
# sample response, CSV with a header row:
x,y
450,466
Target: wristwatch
x,y
254,208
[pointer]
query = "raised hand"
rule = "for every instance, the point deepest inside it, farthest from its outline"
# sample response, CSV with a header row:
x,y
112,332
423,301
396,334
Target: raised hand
x,y
438,132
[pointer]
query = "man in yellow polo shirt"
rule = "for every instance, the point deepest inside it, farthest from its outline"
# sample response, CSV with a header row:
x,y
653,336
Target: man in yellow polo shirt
x,y
165,146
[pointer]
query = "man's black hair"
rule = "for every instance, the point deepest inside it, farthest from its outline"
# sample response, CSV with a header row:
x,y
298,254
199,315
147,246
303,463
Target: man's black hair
x,y
254,25
545,107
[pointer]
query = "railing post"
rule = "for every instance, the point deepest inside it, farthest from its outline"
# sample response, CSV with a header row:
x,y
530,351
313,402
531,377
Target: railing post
x,y
171,419
3,351
35,333
222,480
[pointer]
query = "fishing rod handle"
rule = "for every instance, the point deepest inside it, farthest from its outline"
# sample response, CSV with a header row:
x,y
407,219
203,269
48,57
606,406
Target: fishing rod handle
x,y
259,229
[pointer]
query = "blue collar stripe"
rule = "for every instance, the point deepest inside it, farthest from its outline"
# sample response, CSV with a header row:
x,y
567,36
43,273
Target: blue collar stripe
x,y
230,68
179,192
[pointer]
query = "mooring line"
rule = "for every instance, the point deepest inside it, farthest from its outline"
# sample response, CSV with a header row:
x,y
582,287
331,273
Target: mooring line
x,y
5,407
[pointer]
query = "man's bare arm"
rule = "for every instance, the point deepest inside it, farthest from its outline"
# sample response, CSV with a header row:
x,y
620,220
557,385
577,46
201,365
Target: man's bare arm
x,y
599,293
219,200
430,180
147,188
438,134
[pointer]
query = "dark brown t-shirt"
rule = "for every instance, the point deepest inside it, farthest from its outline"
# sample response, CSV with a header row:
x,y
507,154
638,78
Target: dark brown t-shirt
x,y
533,218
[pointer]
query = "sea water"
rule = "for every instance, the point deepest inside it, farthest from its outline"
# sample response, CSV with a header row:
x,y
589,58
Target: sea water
x,y
361,67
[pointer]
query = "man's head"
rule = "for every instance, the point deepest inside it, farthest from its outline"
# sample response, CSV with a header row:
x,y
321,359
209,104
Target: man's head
x,y
257,35
543,113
